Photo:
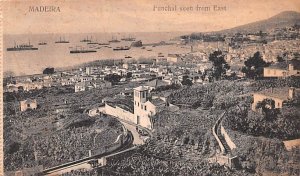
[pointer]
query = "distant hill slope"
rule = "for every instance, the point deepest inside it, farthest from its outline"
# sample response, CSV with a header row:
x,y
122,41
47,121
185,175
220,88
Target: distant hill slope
x,y
283,19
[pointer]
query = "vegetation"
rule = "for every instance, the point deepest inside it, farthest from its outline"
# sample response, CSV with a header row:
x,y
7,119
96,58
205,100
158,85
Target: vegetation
x,y
61,136
280,59
268,108
220,66
285,125
186,81
48,70
113,78
167,87
254,66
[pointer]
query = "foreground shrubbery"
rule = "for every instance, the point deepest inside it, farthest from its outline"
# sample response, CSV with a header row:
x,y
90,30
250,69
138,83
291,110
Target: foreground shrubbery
x,y
221,95
68,144
259,139
137,163
284,126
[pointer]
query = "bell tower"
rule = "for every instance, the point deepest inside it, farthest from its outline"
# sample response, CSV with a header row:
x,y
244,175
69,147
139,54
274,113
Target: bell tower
x,y
141,96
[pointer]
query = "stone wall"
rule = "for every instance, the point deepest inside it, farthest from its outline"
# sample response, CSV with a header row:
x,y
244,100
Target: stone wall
x,y
227,138
119,112
214,131
225,160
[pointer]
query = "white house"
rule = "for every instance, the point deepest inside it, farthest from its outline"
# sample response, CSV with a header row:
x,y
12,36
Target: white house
x,y
28,104
145,107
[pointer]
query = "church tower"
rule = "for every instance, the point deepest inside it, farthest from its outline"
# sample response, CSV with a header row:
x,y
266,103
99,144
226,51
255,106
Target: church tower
x,y
141,96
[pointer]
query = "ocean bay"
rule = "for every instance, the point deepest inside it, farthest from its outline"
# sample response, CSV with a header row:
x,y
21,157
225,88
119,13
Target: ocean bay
x,y
58,55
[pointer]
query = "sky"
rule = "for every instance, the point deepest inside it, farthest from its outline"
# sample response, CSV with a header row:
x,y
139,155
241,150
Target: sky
x,y
88,16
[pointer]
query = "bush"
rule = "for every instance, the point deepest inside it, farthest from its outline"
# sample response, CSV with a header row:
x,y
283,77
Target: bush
x,y
14,147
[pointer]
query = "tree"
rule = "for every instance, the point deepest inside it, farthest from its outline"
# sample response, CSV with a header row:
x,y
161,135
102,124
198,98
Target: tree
x,y
8,74
48,70
268,108
113,78
254,66
186,81
220,66
129,75
280,59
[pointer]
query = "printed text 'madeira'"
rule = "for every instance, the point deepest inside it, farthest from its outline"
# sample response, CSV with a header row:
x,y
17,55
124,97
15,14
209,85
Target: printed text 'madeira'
x,y
44,9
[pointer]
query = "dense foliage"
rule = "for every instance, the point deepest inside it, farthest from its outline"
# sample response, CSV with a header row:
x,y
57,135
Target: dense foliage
x,y
113,78
254,66
285,125
48,70
220,66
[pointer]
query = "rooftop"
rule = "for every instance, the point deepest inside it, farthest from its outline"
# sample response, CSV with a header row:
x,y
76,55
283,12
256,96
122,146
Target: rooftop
x,y
28,100
173,55
141,88
281,93
284,65
156,83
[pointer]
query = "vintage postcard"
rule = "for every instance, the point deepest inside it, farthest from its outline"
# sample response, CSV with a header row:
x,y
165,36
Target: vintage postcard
x,y
150,87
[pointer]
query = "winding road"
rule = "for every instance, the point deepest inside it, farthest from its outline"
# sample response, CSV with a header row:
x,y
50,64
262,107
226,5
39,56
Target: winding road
x,y
133,138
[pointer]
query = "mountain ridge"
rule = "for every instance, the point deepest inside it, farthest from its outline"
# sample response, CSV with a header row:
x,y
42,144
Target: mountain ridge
x,y
283,19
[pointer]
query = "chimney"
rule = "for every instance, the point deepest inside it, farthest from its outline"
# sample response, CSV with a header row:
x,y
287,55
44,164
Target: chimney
x,y
291,67
291,92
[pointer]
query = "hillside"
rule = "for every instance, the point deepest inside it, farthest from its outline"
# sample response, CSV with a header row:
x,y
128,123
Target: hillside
x,y
283,19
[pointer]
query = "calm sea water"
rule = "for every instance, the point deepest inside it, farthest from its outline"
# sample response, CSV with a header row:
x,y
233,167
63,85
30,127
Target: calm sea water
x,y
58,55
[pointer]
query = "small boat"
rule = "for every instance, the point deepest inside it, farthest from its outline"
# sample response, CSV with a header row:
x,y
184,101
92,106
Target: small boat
x,y
92,43
42,43
119,48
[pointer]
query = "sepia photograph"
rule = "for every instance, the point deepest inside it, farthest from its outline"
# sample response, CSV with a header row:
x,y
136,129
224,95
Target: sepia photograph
x,y
150,87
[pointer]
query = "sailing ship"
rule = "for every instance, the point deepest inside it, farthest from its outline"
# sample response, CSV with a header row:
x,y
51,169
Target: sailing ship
x,y
92,43
82,50
22,47
62,41
130,38
86,39
103,43
114,40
